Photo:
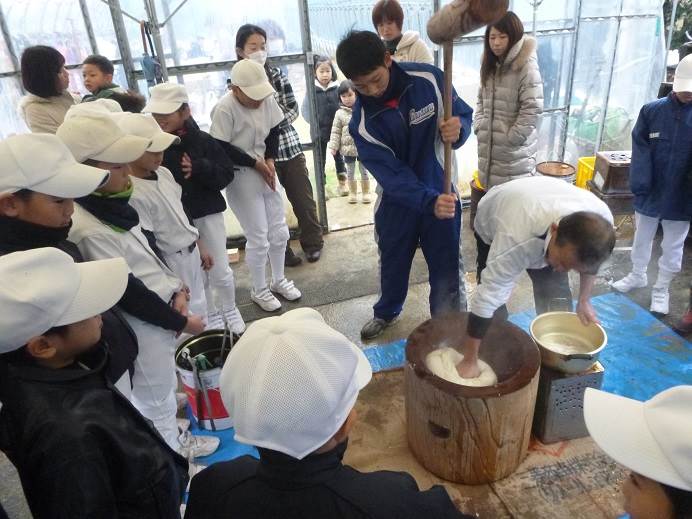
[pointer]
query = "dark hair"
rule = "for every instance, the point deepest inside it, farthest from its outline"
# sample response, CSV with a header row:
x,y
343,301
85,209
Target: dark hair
x,y
359,53
387,10
24,194
345,86
509,24
319,59
101,62
592,236
681,500
21,355
129,101
244,32
40,68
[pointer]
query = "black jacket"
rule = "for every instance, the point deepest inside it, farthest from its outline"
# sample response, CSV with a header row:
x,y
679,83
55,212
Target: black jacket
x,y
16,235
319,486
82,450
327,102
212,171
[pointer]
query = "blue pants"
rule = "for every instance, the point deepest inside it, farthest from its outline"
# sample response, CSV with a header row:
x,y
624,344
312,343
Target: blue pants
x,y
400,230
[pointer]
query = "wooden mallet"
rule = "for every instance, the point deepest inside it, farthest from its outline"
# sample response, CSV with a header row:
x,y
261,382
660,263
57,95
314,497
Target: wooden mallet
x,y
455,19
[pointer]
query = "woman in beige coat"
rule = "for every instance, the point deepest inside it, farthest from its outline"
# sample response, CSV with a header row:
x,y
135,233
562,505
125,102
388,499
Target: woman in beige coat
x,y
388,19
510,102
45,78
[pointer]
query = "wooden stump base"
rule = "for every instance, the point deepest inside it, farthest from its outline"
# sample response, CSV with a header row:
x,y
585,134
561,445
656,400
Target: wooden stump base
x,y
467,434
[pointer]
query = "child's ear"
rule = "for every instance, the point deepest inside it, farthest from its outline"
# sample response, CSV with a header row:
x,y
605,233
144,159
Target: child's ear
x,y
109,78
41,347
8,205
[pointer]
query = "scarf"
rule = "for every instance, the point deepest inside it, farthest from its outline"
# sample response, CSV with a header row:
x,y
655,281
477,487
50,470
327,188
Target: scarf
x,y
113,209
391,45
18,235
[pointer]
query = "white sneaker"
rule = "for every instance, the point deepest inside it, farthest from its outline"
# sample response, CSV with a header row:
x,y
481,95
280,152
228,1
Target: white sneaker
x,y
286,289
265,299
192,446
183,424
630,281
214,321
660,299
235,321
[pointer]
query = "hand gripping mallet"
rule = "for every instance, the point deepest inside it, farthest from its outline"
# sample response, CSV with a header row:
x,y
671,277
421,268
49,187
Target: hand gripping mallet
x,y
455,19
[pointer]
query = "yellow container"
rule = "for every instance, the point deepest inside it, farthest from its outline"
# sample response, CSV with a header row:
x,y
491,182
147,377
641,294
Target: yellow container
x,y
585,168
477,180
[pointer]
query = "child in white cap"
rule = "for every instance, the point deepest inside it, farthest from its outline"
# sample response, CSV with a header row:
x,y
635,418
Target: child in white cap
x,y
81,448
248,118
39,178
290,385
660,180
202,169
156,197
654,440
156,301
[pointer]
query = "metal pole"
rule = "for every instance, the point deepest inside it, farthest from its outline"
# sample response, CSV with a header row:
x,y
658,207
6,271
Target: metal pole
x,y
171,36
673,13
8,42
123,43
570,81
604,113
89,27
156,35
310,92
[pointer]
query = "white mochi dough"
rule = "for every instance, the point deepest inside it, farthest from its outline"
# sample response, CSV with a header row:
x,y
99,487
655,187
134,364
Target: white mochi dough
x,y
443,363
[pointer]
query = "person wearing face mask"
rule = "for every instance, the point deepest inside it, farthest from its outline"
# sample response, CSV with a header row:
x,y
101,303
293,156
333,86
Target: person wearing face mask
x,y
45,78
291,168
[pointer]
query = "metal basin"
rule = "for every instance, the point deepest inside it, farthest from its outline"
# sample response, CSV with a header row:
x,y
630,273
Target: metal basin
x,y
565,343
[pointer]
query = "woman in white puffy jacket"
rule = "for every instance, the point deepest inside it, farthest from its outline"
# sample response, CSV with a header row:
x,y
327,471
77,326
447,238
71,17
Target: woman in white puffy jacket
x,y
510,102
388,19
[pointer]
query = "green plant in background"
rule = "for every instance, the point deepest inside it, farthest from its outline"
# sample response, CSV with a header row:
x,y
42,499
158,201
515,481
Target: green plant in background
x,y
682,22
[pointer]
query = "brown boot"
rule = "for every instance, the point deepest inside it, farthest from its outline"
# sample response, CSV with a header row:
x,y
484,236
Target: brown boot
x,y
365,187
352,192
343,188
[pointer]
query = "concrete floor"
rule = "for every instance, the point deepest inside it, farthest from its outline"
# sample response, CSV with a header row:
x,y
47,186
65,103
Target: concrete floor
x,y
357,271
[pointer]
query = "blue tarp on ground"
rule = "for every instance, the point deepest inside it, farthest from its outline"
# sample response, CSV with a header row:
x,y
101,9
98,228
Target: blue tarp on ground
x,y
642,358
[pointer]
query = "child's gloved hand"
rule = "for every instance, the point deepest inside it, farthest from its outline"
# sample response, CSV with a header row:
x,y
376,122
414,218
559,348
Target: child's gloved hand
x,y
445,206
450,130
333,152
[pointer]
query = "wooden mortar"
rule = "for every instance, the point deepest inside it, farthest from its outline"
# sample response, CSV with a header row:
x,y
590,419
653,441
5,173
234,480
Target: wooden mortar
x,y
471,435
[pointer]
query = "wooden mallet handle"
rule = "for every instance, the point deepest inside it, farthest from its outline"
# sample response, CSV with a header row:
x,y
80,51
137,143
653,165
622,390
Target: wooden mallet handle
x,y
447,104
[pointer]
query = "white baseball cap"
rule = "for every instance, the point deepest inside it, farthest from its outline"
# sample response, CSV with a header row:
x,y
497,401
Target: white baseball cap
x,y
251,78
683,75
290,382
97,136
43,288
165,98
145,126
652,438
103,106
41,162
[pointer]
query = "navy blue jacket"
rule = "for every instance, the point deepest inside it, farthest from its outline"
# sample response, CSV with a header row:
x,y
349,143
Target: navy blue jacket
x,y
319,486
212,171
661,169
397,135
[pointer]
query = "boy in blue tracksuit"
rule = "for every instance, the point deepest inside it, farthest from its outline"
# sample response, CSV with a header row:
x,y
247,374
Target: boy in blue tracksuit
x,y
660,176
399,131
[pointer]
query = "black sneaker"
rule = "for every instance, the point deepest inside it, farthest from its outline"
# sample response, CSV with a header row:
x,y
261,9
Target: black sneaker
x,y
291,260
375,327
